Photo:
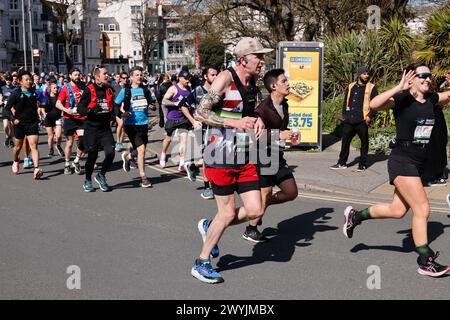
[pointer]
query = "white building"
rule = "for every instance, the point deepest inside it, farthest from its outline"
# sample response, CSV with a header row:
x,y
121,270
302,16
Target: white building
x,y
3,61
124,12
89,19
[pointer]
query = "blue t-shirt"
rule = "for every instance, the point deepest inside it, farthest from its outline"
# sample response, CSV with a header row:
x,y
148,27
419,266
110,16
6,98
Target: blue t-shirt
x,y
138,106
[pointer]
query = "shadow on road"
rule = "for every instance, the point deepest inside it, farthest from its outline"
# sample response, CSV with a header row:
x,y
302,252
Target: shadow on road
x,y
298,231
435,229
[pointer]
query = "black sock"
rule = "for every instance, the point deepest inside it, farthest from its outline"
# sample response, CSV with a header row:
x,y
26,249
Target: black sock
x,y
424,252
362,215
252,227
206,184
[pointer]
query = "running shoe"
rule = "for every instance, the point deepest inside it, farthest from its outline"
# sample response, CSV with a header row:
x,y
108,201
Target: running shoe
x,y
338,166
431,267
6,143
125,162
101,180
162,161
253,235
207,194
119,146
133,164
203,226
67,170
15,166
38,173
349,224
87,186
191,170
76,167
59,150
203,271
27,163
145,183
51,152
437,183
11,142
447,198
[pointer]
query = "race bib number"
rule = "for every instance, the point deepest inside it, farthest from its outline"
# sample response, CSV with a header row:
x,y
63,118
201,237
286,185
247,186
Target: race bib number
x,y
423,130
104,106
139,104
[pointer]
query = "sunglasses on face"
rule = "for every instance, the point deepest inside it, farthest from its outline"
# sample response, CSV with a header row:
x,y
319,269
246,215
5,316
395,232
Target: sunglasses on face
x,y
424,75
125,78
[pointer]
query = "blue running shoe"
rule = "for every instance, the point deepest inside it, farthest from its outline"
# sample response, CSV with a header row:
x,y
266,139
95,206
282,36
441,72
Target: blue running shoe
x,y
203,271
203,226
87,186
101,180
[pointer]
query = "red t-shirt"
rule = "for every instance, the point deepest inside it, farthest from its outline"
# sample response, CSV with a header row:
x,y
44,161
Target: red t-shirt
x,y
63,97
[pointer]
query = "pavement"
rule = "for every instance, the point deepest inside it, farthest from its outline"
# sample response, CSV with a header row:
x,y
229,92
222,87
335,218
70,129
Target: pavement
x,y
312,173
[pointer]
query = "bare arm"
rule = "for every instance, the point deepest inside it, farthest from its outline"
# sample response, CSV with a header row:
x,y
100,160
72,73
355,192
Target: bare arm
x,y
169,95
385,100
444,97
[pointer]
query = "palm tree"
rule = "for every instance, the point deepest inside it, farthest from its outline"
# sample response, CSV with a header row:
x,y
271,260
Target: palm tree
x,y
397,36
433,47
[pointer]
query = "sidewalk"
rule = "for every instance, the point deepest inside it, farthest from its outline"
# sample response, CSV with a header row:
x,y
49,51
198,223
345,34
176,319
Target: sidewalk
x,y
312,173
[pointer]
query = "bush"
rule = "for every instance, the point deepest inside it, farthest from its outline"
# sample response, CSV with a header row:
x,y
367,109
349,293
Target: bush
x,y
331,114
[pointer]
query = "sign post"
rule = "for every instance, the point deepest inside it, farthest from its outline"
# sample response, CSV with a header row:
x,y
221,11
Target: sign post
x,y
303,65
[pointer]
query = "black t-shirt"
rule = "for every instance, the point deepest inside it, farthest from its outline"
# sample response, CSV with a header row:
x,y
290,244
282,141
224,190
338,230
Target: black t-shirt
x,y
25,106
52,111
414,120
99,117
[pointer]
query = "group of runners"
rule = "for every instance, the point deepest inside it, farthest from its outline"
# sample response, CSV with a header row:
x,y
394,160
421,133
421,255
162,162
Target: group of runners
x,y
236,128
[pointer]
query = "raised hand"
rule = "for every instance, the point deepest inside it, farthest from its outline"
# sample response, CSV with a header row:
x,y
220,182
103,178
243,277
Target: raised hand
x,y
407,80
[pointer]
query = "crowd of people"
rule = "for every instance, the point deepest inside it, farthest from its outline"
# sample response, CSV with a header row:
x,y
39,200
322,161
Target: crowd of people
x,y
231,119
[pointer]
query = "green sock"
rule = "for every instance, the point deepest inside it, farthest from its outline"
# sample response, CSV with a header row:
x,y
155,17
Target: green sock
x,y
362,215
203,260
424,252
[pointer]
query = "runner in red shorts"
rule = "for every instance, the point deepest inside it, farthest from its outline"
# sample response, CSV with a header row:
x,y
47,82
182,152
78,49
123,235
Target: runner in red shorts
x,y
229,111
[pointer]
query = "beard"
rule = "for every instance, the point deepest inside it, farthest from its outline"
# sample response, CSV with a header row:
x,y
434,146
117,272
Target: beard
x,y
363,81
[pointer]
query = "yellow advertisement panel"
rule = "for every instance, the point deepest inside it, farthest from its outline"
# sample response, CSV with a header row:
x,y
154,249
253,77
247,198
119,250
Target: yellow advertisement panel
x,y
302,63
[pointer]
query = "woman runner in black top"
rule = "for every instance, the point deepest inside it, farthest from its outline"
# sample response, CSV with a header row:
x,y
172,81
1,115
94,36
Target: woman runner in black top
x,y
413,101
52,121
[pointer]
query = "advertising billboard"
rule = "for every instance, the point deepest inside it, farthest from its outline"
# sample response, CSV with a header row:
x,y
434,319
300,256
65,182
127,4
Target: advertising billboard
x,y
303,65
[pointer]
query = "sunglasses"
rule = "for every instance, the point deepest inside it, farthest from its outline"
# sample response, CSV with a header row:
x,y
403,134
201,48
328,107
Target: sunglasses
x,y
424,75
126,78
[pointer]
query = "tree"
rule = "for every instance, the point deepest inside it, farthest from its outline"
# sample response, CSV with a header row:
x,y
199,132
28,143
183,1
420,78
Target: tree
x,y
212,52
147,33
433,47
273,21
397,36
67,17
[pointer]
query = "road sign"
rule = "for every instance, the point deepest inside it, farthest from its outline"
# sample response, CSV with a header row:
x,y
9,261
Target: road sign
x,y
36,53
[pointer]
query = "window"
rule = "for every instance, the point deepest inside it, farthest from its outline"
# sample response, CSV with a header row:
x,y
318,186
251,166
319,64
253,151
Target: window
x,y
13,4
90,47
115,53
175,47
115,41
35,18
155,54
61,53
140,52
134,52
135,9
155,24
101,27
35,43
87,49
50,53
76,54
135,36
135,24
14,30
112,27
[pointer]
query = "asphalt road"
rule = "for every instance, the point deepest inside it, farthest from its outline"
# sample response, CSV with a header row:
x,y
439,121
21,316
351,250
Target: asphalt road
x,y
135,243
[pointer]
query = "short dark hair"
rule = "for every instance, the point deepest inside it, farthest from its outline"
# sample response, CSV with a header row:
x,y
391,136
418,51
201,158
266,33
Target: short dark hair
x,y
73,70
23,73
136,68
123,73
205,71
271,77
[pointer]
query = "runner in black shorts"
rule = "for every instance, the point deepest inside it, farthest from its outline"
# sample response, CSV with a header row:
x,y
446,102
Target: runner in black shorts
x,y
274,112
5,92
53,122
22,111
413,101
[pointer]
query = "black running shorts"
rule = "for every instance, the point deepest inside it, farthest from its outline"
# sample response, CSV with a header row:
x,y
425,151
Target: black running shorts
x,y
70,126
406,162
138,135
21,130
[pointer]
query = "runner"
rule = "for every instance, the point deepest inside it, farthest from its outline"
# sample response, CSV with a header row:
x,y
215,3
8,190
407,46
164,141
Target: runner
x,y
229,105
53,122
136,101
413,102
176,118
274,112
192,168
120,133
5,93
22,111
98,107
68,100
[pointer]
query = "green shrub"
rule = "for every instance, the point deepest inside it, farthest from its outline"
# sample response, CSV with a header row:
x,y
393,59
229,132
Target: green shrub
x,y
331,114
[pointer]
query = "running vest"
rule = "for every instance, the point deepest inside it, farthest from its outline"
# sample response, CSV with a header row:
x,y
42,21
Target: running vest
x,y
109,97
229,147
367,93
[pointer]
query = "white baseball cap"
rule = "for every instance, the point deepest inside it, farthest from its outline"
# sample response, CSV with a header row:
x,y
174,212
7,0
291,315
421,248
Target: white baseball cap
x,y
249,45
